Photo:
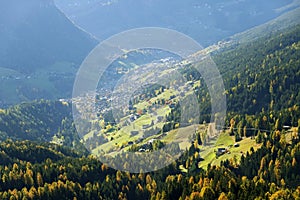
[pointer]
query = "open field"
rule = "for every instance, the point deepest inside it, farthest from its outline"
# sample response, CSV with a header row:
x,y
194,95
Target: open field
x,y
226,141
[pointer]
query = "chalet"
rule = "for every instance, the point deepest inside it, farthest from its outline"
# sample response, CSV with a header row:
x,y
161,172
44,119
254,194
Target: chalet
x,y
236,145
221,151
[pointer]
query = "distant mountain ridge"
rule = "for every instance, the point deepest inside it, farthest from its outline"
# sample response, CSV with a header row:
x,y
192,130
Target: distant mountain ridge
x,y
287,20
205,21
35,34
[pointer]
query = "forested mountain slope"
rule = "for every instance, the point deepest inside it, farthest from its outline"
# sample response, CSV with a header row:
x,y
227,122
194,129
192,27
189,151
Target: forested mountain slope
x,y
263,74
33,121
269,173
261,78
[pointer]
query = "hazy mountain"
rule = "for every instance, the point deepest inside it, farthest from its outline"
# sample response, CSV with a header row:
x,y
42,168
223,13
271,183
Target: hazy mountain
x,y
40,51
34,34
206,21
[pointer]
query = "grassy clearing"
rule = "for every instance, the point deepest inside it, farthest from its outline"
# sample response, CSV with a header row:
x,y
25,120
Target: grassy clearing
x,y
143,120
182,135
110,146
225,140
210,155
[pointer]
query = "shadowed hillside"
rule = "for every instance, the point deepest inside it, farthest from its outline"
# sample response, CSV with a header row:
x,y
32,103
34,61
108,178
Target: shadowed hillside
x,y
35,34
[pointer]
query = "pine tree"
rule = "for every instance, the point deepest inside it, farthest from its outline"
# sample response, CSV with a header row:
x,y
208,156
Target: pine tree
x,y
39,179
245,131
259,137
163,195
28,180
294,162
278,124
222,196
199,141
